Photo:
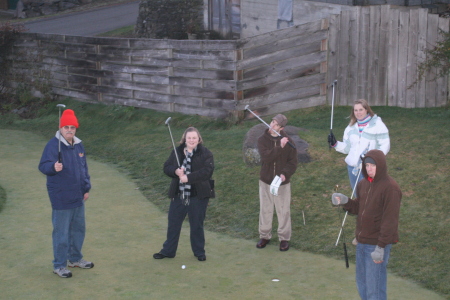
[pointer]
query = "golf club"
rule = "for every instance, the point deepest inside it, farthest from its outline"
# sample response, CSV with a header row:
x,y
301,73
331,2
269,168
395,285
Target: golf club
x,y
59,129
171,137
246,107
173,143
332,108
353,191
343,235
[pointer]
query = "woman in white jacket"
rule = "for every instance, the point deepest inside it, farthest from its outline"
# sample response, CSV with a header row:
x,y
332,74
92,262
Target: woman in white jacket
x,y
366,131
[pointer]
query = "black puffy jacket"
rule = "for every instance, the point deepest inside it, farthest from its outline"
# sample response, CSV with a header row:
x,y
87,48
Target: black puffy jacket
x,y
202,168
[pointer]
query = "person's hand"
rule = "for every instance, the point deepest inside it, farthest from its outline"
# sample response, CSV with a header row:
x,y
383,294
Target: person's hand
x,y
58,167
184,179
179,172
332,140
377,255
86,196
339,199
284,141
283,178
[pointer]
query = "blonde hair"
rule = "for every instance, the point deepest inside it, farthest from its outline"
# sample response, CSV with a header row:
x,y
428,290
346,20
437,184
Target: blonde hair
x,y
365,105
191,129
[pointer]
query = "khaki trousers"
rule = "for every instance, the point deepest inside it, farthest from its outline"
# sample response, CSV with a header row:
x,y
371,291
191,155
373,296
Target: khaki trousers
x,y
282,204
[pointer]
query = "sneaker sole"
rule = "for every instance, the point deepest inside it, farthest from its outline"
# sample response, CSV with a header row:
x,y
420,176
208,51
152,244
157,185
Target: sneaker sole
x,y
76,266
70,275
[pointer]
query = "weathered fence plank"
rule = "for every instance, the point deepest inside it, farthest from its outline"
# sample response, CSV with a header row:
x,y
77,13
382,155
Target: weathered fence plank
x,y
373,61
333,50
265,38
413,44
381,93
442,82
354,55
284,96
363,54
421,55
403,27
393,57
281,55
277,45
292,63
296,71
343,58
432,36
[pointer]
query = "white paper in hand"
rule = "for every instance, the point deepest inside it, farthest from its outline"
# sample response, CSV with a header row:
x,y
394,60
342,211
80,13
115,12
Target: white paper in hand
x,y
276,182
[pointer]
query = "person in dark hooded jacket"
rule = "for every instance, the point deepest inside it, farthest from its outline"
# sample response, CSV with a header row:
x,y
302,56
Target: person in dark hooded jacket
x,y
190,189
377,207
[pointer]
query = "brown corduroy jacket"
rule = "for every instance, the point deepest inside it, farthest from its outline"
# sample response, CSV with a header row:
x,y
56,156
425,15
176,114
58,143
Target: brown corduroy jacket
x,y
274,159
377,206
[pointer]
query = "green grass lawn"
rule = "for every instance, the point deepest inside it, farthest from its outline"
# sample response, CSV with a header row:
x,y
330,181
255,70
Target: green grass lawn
x,y
138,143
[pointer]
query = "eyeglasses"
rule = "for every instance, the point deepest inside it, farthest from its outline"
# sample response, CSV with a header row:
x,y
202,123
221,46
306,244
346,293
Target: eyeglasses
x,y
69,127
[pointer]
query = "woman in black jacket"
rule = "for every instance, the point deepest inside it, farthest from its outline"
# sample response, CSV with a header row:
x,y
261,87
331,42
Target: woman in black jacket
x,y
189,191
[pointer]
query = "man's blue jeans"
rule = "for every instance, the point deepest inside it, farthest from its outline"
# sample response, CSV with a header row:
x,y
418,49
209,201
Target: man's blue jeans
x,y
371,278
69,230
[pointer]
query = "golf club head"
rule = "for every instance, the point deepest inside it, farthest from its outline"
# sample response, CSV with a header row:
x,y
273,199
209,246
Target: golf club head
x,y
246,107
168,120
61,106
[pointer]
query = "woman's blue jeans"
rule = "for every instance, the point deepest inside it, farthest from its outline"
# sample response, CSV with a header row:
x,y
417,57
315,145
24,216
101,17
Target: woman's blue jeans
x,y
69,230
353,178
371,278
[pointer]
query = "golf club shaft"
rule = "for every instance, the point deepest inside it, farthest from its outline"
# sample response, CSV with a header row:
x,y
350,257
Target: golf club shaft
x,y
332,110
59,142
332,105
174,148
59,130
346,213
290,144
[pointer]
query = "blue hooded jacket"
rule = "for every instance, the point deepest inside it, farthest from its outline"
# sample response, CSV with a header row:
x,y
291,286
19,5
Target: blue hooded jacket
x,y
66,188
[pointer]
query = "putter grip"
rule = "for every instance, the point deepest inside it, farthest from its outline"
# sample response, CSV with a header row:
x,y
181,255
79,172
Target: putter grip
x,y
290,144
59,157
346,255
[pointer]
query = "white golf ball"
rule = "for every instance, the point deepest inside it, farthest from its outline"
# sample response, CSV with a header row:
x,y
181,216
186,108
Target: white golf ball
x,y
183,267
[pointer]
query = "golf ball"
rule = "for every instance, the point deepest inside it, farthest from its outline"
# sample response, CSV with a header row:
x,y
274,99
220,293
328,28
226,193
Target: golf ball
x,y
183,267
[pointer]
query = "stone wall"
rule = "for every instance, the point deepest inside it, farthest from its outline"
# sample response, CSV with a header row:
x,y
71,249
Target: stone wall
x,y
169,19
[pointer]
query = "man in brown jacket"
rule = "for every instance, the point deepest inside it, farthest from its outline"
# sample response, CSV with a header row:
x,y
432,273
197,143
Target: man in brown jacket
x,y
377,208
278,159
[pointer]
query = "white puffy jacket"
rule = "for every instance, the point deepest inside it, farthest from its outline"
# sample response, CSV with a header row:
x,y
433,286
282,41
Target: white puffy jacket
x,y
374,136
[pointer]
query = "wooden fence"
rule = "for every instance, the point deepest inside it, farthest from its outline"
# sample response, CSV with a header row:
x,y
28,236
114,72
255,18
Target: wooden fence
x,y
374,53
283,70
191,77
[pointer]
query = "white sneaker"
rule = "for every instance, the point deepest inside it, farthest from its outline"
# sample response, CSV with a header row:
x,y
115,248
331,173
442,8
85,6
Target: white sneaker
x,y
63,272
81,264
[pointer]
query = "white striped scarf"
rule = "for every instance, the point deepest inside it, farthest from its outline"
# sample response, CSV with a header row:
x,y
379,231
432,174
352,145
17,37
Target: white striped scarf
x,y
185,188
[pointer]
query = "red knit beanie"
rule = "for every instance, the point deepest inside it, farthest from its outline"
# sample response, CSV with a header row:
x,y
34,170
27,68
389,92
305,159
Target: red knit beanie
x,y
68,118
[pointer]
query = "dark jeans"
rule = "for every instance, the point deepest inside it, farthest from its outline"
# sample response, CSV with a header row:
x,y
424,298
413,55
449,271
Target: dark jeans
x,y
196,210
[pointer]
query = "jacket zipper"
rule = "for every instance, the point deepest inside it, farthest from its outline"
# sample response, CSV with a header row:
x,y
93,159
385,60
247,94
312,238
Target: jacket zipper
x,y
365,205
274,163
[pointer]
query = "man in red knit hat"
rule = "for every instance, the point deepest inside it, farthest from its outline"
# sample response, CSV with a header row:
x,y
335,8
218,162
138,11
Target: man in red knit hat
x,y
68,185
